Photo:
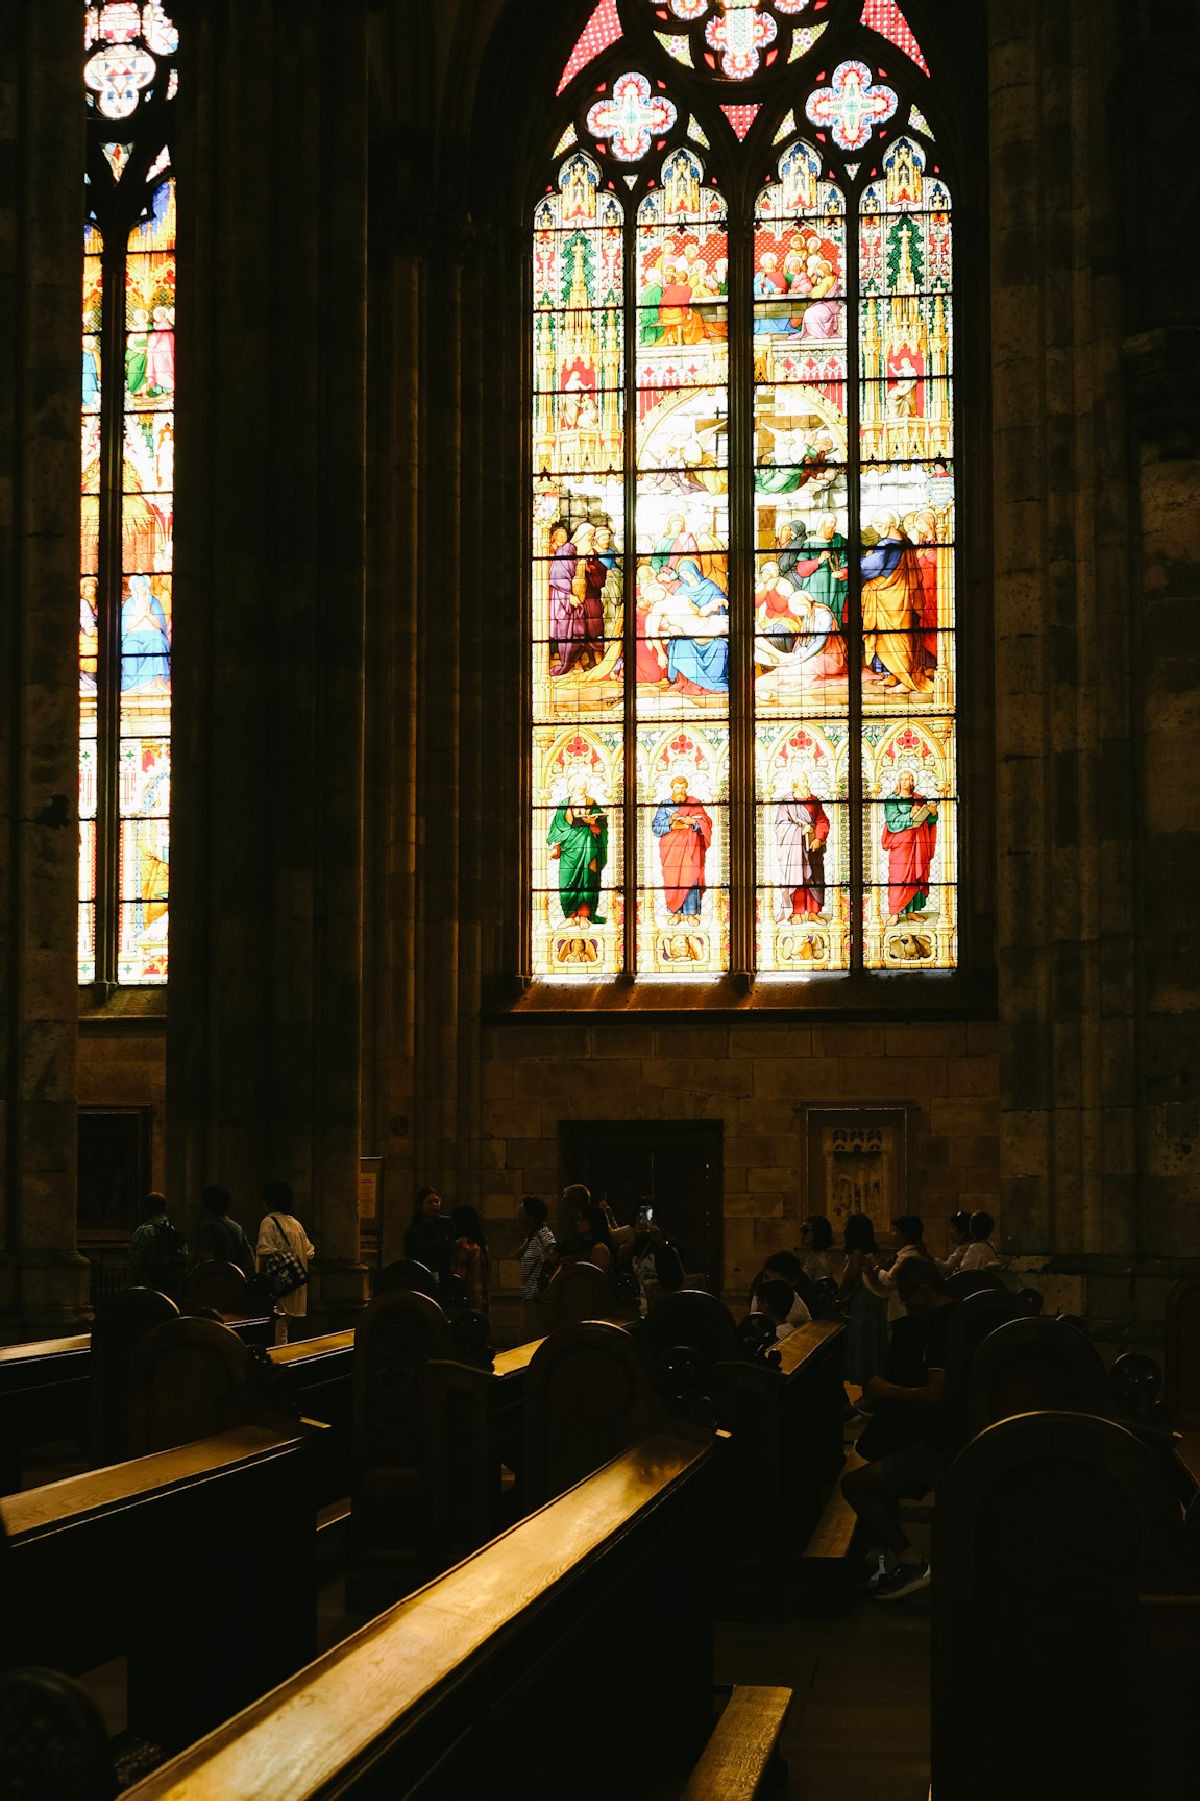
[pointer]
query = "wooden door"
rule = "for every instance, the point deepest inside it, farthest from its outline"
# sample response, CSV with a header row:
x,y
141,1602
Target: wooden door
x,y
672,1165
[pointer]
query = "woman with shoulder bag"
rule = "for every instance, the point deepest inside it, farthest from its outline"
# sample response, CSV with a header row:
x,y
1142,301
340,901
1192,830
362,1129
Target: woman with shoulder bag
x,y
284,1253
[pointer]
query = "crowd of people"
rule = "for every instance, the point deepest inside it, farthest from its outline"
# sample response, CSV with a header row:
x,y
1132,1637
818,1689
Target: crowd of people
x,y
279,1260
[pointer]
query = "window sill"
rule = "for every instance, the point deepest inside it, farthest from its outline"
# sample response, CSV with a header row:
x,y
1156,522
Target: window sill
x,y
127,1009
950,994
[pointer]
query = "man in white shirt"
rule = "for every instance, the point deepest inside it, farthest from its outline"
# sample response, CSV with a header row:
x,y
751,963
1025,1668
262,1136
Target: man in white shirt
x,y
281,1231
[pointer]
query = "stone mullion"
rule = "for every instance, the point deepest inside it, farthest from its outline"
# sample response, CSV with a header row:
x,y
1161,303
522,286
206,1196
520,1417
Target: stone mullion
x,y
1021,479
475,865
438,702
339,71
43,1282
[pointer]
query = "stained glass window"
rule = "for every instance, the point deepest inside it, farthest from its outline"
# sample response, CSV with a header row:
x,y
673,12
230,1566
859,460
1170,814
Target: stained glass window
x,y
125,608
743,418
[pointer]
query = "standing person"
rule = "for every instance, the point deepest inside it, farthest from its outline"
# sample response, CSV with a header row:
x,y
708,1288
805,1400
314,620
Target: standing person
x,y
910,1238
157,1252
592,1228
817,1255
981,1253
801,834
960,1236
430,1236
866,1341
221,1239
281,1231
910,839
469,1259
537,1254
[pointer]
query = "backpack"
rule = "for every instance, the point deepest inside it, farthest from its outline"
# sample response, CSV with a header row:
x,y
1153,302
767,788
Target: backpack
x,y
166,1260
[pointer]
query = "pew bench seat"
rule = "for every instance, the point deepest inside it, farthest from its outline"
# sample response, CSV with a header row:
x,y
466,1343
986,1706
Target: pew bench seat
x,y
105,1564
433,1695
741,1759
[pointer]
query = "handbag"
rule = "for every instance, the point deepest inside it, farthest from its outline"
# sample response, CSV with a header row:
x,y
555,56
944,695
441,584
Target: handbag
x,y
281,1271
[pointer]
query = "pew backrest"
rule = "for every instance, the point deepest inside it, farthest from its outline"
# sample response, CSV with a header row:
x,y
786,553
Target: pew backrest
x,y
406,1276
689,1319
1183,1348
577,1292
589,1395
1029,1365
53,1741
1061,1561
219,1288
190,1379
973,1318
119,1328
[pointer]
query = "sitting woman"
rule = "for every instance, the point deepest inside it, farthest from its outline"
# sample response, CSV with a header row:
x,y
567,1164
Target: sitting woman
x,y
781,1266
469,1259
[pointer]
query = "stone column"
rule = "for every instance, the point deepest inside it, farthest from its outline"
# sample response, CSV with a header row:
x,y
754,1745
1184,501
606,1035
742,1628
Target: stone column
x,y
43,1282
1066,811
264,1032
1155,153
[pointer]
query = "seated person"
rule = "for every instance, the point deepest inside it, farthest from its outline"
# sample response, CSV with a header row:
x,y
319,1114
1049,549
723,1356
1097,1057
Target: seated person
x,y
776,1299
911,1470
782,1266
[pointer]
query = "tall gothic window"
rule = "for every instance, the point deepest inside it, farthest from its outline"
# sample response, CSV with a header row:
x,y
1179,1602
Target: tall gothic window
x,y
127,460
743,658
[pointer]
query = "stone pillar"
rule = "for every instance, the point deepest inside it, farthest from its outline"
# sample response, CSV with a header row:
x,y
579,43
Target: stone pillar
x,y
1067,816
1155,152
43,1282
264,1030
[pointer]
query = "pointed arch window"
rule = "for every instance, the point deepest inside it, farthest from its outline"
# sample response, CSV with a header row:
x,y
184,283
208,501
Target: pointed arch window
x,y
127,460
743,684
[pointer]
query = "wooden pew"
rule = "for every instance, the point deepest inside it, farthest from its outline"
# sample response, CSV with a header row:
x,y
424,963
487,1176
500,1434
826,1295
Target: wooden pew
x,y
1032,1365
578,1291
52,1739
484,1682
742,1755
972,1320
75,1388
472,1432
785,1423
43,1398
318,1384
1183,1349
195,1563
1066,1606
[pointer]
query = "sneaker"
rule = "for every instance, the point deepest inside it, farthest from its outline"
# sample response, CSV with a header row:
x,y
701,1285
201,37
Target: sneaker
x,y
904,1580
875,1571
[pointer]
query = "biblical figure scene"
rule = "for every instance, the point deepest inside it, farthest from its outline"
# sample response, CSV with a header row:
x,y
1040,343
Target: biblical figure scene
x,y
799,269
578,443
144,797
578,587
910,846
683,850
578,913
682,262
800,590
682,618
802,848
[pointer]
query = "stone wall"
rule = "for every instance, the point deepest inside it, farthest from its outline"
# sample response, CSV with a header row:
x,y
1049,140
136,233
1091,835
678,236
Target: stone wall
x,y
756,1079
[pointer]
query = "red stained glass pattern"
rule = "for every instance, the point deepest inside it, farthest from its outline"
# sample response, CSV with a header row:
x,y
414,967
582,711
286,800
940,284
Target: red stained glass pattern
x,y
741,118
601,30
885,17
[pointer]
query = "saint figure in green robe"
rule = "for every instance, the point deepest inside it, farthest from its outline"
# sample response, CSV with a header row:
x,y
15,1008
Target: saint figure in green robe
x,y
578,840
